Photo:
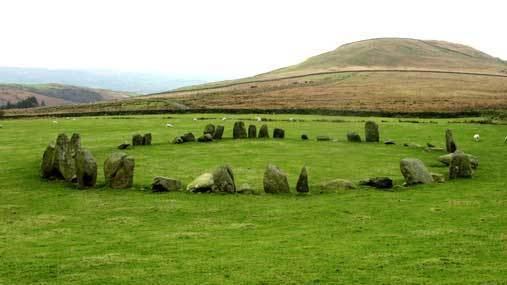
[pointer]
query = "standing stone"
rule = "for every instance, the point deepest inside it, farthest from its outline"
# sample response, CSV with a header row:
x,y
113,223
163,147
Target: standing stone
x,y
75,144
450,145
219,131
64,161
177,140
337,184
86,169
188,137
209,129
415,171
353,137
223,180
278,133
119,170
446,159
137,139
371,132
239,131
147,139
460,166
275,181
252,132
47,167
264,132
302,184
163,184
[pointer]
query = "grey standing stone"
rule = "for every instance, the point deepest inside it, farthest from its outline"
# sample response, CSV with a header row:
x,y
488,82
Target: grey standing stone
x,y
163,184
302,184
450,144
239,131
460,166
304,137
137,139
353,137
124,146
275,181
75,144
219,132
86,169
119,170
415,172
48,169
278,133
252,132
371,132
64,161
378,182
446,159
147,139
337,184
264,132
223,180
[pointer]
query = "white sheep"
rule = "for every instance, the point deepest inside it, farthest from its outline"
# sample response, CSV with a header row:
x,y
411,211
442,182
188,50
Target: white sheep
x,y
477,138
224,118
258,119
195,119
55,122
169,125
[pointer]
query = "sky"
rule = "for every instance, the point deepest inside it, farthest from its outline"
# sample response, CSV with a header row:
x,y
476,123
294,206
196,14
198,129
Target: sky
x,y
223,39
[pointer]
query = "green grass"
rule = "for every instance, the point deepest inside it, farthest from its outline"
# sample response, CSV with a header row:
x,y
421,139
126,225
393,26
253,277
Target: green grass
x,y
452,233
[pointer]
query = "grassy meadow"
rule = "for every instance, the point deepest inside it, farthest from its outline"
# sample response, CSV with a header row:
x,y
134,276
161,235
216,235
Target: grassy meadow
x,y
452,233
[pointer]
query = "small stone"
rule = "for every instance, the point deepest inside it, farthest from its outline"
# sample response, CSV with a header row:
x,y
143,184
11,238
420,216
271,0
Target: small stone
x,y
323,138
302,184
438,178
446,159
163,184
415,172
371,132
353,137
378,182
223,180
278,133
389,142
252,132
86,169
219,132
450,144
245,189
119,170
304,137
263,132
275,181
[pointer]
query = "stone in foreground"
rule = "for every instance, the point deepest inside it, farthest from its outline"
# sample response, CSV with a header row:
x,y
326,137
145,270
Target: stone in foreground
x,y
450,144
460,166
48,169
163,184
86,169
446,159
371,132
223,180
378,182
278,133
137,139
203,183
353,137
302,184
415,172
119,170
264,132
239,131
275,181
252,132
64,161
337,184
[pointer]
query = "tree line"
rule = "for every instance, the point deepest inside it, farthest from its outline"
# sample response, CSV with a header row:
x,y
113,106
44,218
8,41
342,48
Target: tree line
x,y
29,102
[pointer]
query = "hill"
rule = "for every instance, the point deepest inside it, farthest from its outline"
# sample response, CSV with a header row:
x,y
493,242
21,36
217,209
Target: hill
x,y
383,76
56,94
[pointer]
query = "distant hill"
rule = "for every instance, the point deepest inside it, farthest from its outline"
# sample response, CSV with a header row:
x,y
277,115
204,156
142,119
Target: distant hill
x,y
56,94
122,81
383,76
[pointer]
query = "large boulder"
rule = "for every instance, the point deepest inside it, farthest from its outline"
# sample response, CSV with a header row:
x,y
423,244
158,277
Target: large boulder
x,y
337,184
163,184
209,129
252,132
147,139
460,166
64,160
353,137
219,132
446,159
450,144
302,184
275,181
188,137
137,139
223,180
86,169
119,170
239,131
48,169
415,172
264,132
278,133
371,132
378,182
203,183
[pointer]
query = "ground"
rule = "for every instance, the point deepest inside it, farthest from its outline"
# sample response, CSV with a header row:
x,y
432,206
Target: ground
x,y
452,233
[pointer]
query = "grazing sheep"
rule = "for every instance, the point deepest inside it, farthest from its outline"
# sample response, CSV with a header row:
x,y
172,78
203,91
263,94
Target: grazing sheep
x,y
55,122
195,119
258,119
169,125
505,140
224,118
477,138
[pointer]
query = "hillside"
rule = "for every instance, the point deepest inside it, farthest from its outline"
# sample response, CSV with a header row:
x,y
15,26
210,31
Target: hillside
x,y
388,75
56,94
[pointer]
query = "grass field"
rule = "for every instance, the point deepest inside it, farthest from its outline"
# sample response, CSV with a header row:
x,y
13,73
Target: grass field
x,y
452,233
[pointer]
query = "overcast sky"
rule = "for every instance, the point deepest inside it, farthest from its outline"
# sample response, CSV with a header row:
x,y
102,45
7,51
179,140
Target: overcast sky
x,y
222,39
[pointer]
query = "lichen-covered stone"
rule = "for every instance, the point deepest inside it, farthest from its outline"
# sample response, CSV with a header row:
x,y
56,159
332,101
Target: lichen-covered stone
x,y
86,169
119,170
353,137
275,181
252,132
209,129
302,184
337,184
415,172
137,139
460,166
48,169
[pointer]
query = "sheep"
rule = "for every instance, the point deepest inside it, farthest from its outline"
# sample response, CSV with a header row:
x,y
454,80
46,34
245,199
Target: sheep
x,y
258,119
505,140
169,125
224,118
55,122
477,138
